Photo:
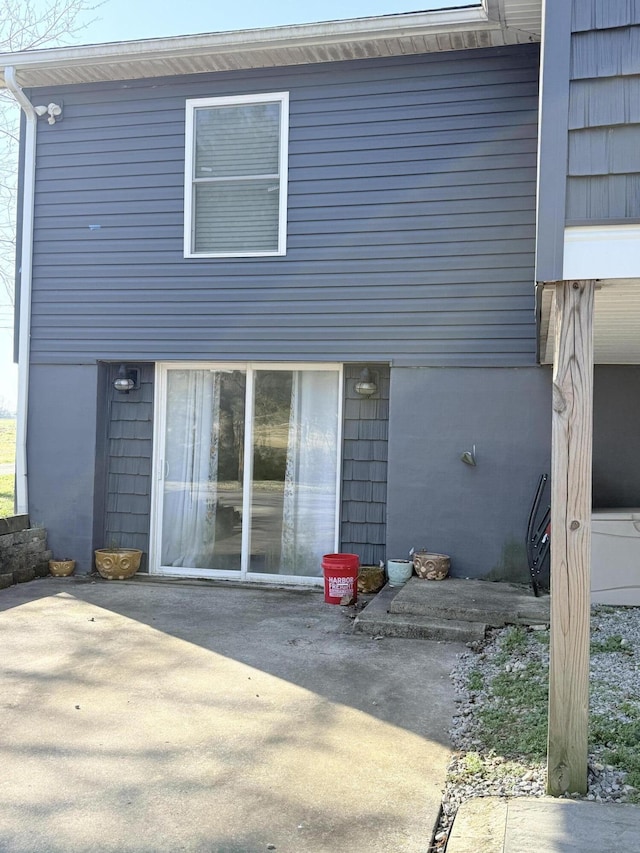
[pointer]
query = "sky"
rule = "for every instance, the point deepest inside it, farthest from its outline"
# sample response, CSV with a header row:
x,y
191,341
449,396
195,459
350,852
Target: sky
x,y
120,20
133,19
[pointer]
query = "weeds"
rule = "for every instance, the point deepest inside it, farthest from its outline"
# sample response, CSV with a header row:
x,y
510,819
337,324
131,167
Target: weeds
x,y
620,737
509,721
615,643
476,681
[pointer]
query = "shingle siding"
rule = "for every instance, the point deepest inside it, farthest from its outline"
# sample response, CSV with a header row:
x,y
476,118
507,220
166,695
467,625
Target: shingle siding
x,y
129,447
596,14
604,112
364,470
410,223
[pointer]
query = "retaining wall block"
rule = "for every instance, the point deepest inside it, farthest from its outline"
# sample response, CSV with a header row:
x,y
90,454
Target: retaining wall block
x,y
42,568
24,575
13,524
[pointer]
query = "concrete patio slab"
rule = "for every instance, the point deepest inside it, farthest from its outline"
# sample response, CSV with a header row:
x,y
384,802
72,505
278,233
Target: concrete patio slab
x,y
546,825
152,718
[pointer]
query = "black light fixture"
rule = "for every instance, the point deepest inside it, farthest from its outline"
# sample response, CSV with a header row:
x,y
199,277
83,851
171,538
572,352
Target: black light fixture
x,y
366,386
128,379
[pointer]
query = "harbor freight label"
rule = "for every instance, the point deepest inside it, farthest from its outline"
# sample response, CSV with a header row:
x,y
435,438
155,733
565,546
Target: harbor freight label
x,y
339,587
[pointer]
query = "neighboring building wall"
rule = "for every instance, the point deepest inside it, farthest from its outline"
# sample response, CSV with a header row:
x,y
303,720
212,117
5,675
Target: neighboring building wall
x,y
364,467
411,219
603,183
129,450
476,515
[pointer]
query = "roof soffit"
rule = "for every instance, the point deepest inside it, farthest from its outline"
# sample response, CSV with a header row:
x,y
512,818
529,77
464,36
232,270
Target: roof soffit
x,y
461,28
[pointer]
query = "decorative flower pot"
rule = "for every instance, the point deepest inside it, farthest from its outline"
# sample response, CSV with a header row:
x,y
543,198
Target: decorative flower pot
x,y
370,579
431,567
61,568
116,564
399,571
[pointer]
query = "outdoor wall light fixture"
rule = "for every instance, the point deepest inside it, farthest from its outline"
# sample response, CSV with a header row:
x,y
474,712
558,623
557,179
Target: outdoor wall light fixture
x,y
469,457
54,111
365,386
128,379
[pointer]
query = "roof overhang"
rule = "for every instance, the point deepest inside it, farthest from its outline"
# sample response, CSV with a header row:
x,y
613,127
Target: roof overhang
x,y
485,24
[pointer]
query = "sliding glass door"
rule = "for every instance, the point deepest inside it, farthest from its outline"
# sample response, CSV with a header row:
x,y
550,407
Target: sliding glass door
x,y
248,462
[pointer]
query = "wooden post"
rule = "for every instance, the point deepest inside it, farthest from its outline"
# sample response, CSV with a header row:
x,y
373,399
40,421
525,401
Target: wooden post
x,y
570,538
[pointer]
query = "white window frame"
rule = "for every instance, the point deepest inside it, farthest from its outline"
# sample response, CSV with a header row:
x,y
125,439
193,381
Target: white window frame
x,y
192,105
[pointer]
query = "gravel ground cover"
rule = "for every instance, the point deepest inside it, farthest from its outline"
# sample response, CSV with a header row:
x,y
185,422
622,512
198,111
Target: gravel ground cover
x,y
499,730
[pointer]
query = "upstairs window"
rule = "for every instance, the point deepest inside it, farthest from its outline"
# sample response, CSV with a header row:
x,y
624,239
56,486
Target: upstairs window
x,y
236,176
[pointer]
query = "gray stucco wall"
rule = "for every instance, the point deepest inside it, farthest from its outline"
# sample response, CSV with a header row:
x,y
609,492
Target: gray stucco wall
x,y
477,515
61,449
411,219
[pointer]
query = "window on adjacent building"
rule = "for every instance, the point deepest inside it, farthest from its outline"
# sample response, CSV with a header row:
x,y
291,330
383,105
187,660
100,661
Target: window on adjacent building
x,y
236,176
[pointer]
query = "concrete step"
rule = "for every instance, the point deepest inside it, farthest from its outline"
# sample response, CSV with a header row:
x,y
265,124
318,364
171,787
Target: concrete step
x,y
493,604
544,825
376,621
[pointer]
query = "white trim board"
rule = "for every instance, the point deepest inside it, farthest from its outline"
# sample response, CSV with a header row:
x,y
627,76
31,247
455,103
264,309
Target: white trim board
x,y
601,251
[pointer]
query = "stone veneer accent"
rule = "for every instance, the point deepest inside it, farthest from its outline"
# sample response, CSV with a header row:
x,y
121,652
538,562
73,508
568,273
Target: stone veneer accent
x,y
23,551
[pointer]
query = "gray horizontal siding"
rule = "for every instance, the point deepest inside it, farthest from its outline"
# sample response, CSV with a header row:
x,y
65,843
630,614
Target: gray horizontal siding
x,y
604,112
410,223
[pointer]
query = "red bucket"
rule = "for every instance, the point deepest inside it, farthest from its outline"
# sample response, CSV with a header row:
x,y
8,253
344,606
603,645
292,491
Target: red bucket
x,y
340,577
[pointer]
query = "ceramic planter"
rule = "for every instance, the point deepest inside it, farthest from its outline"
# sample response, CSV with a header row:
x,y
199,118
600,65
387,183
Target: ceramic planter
x,y
399,571
61,568
116,564
370,579
431,567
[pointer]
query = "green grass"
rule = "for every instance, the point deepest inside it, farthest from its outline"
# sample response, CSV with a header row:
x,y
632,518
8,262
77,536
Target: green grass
x,y
515,721
476,681
6,494
620,737
511,722
7,440
7,456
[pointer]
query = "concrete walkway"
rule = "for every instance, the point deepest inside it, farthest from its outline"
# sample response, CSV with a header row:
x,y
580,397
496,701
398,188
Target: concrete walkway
x,y
545,825
152,718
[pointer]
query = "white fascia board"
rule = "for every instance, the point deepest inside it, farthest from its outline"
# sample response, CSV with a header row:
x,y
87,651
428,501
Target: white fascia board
x,y
246,41
601,251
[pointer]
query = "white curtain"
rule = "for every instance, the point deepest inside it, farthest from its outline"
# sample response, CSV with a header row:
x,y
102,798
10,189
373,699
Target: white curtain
x,y
308,515
191,469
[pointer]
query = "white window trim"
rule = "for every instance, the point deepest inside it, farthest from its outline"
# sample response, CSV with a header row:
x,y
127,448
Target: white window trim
x,y
233,100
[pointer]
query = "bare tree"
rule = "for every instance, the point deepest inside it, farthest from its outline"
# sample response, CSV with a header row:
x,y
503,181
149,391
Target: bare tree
x,y
26,25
